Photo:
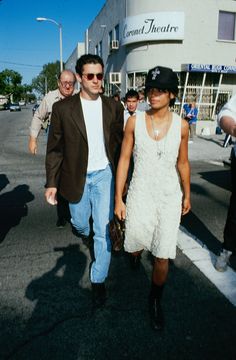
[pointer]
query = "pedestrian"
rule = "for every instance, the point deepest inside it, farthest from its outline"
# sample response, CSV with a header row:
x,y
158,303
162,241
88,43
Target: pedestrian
x,y
41,119
131,103
159,191
191,113
142,103
227,122
82,153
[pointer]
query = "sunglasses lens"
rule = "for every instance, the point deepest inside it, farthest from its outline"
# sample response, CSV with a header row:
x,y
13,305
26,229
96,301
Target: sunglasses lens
x,y
90,76
99,76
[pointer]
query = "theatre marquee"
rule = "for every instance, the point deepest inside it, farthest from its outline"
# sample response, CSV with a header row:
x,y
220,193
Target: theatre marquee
x,y
152,27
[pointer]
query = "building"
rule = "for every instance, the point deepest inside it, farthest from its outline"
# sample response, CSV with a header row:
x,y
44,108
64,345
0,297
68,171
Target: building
x,y
195,38
3,101
77,52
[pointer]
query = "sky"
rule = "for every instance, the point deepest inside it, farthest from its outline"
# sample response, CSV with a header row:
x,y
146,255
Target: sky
x,y
26,44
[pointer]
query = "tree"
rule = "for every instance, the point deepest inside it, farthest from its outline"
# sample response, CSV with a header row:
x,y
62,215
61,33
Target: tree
x,y
10,85
10,82
26,94
47,79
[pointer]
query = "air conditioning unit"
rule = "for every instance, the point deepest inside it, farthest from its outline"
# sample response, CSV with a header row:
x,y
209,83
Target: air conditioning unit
x,y
114,45
115,78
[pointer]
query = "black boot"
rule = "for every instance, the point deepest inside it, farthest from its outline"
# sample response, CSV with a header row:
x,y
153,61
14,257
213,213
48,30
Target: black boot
x,y
99,294
155,310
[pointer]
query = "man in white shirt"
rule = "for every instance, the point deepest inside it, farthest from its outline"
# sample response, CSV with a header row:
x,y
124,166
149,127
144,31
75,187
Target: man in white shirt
x,y
131,103
227,121
41,119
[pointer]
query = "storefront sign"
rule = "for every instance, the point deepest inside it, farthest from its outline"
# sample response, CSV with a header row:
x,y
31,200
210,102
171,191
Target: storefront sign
x,y
153,27
226,69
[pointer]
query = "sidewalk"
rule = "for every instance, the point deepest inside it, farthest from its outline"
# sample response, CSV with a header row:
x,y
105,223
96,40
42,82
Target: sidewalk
x,y
209,148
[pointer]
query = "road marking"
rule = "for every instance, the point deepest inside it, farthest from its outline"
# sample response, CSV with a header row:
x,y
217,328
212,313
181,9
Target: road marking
x,y
218,163
204,259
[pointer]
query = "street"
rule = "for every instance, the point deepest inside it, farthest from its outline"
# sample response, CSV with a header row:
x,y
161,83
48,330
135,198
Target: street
x,y
45,294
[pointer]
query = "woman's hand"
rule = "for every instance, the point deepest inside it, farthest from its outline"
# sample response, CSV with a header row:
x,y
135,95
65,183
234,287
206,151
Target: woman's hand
x,y
186,206
120,210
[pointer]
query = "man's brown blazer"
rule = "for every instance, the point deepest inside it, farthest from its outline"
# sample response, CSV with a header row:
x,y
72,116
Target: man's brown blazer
x,y
67,148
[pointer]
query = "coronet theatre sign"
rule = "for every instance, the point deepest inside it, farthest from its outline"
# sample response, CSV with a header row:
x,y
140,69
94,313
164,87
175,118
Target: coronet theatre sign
x,y
152,26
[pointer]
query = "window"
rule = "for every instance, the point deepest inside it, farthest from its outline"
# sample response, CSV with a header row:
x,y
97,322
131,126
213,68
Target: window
x,y
100,49
117,32
226,25
96,50
136,80
110,38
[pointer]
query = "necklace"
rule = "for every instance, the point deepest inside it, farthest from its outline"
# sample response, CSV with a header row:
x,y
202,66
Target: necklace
x,y
156,132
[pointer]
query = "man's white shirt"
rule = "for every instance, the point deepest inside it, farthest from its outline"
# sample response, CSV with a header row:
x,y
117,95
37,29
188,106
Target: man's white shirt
x,y
92,111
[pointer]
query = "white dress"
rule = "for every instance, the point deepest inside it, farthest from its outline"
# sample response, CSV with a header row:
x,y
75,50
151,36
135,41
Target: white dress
x,y
154,199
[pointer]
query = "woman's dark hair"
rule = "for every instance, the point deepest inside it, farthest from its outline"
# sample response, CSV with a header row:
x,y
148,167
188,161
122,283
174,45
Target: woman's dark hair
x,y
87,59
172,101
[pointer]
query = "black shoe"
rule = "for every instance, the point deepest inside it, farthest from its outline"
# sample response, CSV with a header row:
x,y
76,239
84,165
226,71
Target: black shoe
x,y
99,295
61,222
156,314
135,261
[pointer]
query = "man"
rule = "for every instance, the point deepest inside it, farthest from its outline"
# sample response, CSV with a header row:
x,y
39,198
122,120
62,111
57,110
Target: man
x,y
131,103
41,119
227,122
83,148
191,113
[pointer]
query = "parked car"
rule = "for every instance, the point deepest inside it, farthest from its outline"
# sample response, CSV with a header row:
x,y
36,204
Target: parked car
x,y
35,107
22,103
15,107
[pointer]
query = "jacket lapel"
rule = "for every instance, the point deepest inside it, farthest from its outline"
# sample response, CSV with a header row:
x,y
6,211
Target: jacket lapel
x,y
106,114
78,117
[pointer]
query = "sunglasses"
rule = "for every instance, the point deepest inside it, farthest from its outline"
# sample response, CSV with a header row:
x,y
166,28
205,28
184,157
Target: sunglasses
x,y
90,76
64,84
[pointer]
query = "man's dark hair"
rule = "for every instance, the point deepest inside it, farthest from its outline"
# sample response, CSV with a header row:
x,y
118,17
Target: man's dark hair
x,y
131,93
87,59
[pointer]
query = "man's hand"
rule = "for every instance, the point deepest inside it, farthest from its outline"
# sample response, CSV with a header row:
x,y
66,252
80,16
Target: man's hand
x,y
32,145
50,195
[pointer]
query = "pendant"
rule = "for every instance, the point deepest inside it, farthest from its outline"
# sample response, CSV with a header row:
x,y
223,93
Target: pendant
x,y
159,153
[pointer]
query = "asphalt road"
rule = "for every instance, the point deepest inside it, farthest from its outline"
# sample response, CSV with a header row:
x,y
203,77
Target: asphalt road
x,y
45,295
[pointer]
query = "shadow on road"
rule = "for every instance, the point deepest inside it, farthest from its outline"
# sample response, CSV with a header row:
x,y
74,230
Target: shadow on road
x,y
58,299
13,205
218,178
217,141
63,326
196,227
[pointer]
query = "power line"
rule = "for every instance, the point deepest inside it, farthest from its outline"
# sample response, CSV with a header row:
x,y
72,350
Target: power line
x,y
13,63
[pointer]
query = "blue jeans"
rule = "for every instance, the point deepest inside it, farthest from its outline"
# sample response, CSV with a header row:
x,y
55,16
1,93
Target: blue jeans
x,y
97,201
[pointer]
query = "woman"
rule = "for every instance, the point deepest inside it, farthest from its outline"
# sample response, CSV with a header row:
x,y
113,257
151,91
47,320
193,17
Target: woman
x,y
159,192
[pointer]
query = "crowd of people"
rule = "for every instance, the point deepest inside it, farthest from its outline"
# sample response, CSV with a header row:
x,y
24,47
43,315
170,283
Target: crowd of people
x,y
93,142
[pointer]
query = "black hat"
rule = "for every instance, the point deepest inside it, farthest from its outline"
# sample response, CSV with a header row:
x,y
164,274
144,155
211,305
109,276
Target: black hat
x,y
162,78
